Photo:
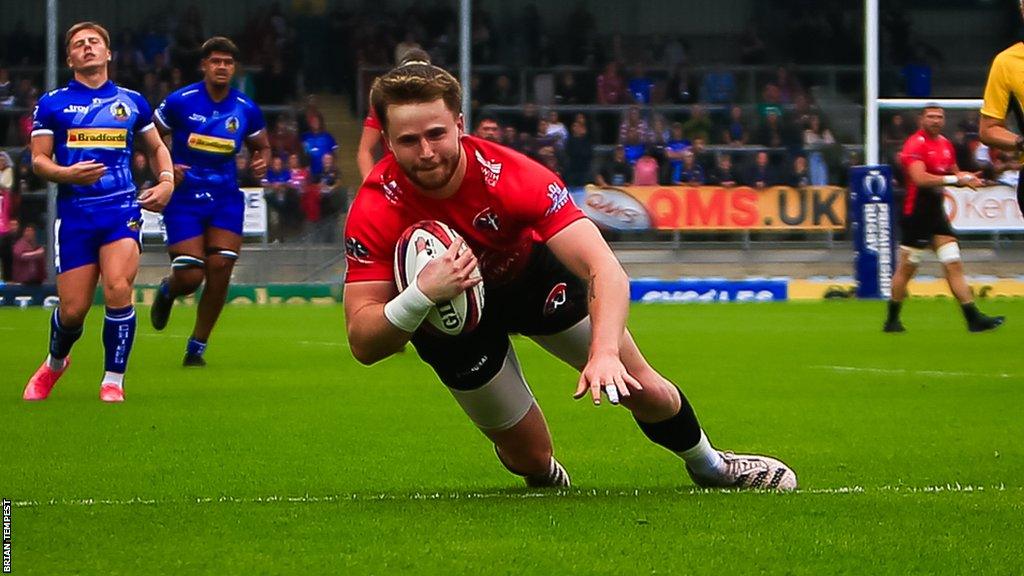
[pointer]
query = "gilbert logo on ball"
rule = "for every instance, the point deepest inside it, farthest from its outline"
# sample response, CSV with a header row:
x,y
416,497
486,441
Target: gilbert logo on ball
x,y
418,245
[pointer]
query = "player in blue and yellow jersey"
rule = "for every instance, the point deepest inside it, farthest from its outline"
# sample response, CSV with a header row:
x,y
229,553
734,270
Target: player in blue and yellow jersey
x,y
82,139
207,123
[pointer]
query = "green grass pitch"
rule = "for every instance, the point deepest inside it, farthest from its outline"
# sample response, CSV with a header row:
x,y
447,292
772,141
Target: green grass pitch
x,y
286,456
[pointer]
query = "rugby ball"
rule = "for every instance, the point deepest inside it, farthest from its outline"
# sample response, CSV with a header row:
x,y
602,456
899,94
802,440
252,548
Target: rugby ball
x,y
418,245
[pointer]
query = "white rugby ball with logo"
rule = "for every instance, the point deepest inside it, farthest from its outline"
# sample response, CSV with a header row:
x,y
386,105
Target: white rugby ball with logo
x,y
418,245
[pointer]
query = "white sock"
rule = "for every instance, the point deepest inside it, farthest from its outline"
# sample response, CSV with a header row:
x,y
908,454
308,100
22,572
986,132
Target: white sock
x,y
703,459
113,378
54,363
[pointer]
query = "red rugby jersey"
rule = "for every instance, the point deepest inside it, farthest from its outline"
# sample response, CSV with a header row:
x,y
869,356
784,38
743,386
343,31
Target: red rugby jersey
x,y
505,204
936,153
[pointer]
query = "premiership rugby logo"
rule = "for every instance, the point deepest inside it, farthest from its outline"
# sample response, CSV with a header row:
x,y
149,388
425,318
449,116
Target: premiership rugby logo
x,y
97,138
211,144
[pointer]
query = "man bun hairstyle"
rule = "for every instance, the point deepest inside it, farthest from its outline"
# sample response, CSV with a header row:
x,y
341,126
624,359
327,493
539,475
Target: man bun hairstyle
x,y
220,44
419,56
87,25
414,83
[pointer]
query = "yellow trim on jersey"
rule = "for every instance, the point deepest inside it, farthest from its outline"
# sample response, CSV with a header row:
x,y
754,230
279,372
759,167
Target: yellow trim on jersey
x,y
97,138
211,144
1005,86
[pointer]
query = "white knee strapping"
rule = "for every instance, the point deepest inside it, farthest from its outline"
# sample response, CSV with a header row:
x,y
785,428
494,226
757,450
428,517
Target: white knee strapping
x,y
948,253
500,403
913,254
571,346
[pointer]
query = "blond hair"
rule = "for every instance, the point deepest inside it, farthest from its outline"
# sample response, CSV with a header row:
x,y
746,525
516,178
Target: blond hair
x,y
414,83
86,26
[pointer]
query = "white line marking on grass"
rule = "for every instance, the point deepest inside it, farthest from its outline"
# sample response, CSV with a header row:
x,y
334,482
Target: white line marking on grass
x,y
907,372
953,488
317,343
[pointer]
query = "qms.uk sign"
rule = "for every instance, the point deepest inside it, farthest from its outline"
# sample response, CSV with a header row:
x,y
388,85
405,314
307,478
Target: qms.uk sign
x,y
716,208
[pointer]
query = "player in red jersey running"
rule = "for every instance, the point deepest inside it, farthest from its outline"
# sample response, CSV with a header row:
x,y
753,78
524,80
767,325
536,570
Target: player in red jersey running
x,y
929,163
548,273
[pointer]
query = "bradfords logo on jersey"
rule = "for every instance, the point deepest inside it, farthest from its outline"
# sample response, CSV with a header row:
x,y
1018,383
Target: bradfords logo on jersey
x,y
559,196
211,144
490,170
97,138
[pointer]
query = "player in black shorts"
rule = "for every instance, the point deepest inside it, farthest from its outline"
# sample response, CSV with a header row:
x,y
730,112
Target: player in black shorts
x,y
929,163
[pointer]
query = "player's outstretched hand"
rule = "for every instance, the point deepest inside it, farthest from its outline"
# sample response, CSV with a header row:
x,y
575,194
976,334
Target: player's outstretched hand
x,y
155,199
450,274
605,373
258,166
179,173
85,173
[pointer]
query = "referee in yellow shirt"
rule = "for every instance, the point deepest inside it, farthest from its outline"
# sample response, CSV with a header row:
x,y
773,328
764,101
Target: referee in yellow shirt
x,y
1004,93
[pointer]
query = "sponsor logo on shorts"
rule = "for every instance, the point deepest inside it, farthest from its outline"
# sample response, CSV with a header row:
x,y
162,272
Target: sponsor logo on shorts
x,y
559,196
134,224
557,297
356,250
97,138
211,144
120,111
490,169
487,219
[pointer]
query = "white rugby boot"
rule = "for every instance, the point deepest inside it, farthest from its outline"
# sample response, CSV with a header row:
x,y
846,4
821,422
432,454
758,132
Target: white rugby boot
x,y
748,471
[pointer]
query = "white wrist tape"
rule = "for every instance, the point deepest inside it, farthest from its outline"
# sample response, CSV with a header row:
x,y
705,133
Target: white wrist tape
x,y
951,180
408,310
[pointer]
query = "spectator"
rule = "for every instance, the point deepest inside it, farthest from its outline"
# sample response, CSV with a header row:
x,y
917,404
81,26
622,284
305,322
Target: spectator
x,y
699,125
660,133
567,91
770,133
281,199
640,85
316,143
556,129
245,177
724,173
688,171
6,171
611,88
894,135
718,87
548,156
579,153
151,89
682,89
703,156
503,93
645,171
789,87
509,136
634,146
333,199
816,134
633,121
616,170
25,179
674,148
799,175
283,140
762,174
735,133
528,119
28,258
488,129
7,226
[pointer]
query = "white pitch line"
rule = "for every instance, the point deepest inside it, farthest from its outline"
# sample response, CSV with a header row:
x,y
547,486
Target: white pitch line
x,y
904,371
317,343
955,488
